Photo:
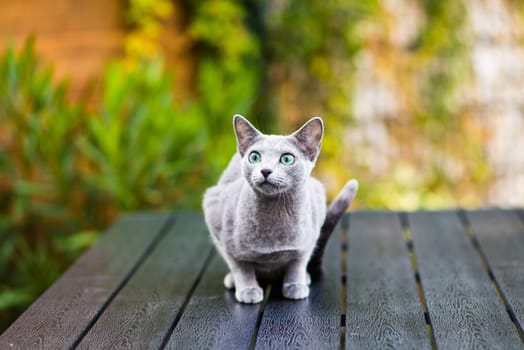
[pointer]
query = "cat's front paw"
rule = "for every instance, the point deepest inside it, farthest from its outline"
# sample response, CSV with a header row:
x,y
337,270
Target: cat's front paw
x,y
229,282
295,290
249,295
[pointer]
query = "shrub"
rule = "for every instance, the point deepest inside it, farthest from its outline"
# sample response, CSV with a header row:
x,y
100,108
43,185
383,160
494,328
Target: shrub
x,y
142,151
67,169
39,192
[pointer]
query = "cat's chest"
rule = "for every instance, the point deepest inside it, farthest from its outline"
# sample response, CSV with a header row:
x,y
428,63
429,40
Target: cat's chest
x,y
267,230
271,236
269,233
269,247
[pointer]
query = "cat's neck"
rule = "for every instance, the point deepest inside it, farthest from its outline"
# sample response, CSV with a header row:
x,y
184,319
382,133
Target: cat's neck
x,y
287,203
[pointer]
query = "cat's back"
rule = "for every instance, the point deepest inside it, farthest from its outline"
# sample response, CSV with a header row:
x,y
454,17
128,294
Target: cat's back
x,y
316,189
233,172
228,185
223,197
317,198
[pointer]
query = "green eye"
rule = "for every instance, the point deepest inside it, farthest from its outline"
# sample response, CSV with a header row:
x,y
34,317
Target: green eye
x,y
287,159
254,157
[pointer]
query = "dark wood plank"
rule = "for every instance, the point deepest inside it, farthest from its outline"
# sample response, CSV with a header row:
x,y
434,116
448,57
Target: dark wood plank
x,y
520,213
501,237
213,319
142,313
62,313
383,306
312,323
463,306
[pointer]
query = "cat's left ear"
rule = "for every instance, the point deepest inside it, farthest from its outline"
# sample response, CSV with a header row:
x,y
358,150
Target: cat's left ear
x,y
309,137
245,132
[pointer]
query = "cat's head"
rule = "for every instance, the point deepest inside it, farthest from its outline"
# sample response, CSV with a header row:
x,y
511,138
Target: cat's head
x,y
275,164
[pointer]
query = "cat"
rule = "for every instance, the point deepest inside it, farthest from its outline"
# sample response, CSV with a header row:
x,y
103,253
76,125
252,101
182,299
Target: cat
x,y
267,214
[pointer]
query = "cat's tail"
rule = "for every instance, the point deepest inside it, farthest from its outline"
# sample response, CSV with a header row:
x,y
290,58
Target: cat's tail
x,y
334,212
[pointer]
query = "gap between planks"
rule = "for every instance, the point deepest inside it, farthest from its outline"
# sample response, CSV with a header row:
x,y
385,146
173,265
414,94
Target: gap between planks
x,y
406,233
180,312
267,292
147,252
343,278
468,229
520,214
260,316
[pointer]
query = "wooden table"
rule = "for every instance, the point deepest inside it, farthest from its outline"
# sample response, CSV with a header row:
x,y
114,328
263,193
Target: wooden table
x,y
447,279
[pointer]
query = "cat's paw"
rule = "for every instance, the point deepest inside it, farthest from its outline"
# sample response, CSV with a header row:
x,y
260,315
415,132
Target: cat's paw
x,y
250,295
229,282
295,290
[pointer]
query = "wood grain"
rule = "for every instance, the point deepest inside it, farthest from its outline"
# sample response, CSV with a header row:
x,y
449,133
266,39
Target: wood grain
x,y
222,323
383,306
501,237
61,314
312,323
146,282
463,306
142,313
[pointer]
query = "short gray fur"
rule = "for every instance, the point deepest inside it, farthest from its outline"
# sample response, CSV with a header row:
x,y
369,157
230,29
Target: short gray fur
x,y
463,306
266,212
383,307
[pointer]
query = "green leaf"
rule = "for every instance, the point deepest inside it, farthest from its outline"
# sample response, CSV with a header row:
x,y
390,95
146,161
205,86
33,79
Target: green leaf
x,y
14,298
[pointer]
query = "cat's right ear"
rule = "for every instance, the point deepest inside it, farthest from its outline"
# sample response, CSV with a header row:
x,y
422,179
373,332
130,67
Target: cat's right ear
x,y
245,132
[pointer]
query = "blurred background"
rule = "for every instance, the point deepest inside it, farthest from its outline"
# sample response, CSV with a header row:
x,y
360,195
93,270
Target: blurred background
x,y
113,106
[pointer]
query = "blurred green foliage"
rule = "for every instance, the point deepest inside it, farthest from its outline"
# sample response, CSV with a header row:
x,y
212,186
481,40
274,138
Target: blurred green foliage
x,y
429,152
229,73
145,17
39,184
138,146
68,168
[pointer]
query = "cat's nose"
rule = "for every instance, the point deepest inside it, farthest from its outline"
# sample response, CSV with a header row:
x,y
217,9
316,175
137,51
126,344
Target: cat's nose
x,y
266,172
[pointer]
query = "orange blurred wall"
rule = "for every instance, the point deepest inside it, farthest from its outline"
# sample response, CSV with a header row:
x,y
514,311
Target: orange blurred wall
x,y
79,38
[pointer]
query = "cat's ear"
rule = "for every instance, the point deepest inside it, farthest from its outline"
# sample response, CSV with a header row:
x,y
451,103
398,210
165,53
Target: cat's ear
x,y
245,132
309,137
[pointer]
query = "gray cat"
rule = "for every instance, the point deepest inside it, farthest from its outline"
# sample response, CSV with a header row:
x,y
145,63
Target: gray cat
x,y
267,214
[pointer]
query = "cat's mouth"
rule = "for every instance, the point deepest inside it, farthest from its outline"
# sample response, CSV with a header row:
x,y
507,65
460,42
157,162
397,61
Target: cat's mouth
x,y
268,187
266,183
